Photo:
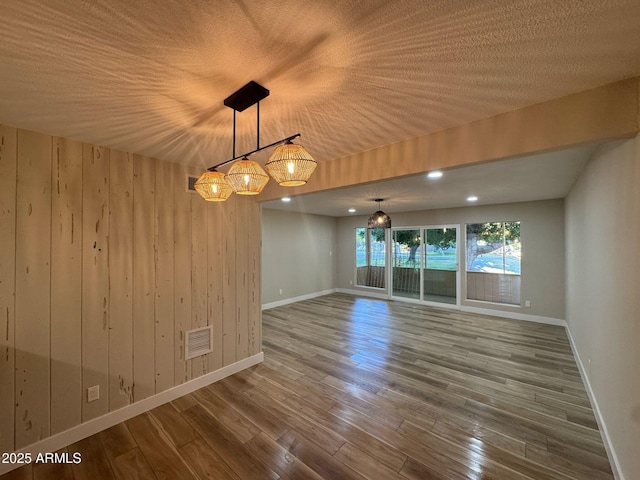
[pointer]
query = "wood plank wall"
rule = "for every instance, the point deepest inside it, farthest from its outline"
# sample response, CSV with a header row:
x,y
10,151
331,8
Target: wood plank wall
x,y
105,261
8,149
33,288
66,285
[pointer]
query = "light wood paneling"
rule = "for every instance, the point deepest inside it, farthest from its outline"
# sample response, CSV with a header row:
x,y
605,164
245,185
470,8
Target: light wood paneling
x,y
33,288
182,272
143,277
66,285
95,278
199,252
215,280
8,154
242,218
255,297
606,112
164,298
106,259
121,280
229,340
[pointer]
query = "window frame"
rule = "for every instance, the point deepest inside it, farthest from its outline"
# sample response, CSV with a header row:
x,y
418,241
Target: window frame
x,y
368,246
504,272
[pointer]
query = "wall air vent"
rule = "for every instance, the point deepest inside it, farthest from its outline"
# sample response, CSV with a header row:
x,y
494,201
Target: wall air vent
x,y
191,183
198,342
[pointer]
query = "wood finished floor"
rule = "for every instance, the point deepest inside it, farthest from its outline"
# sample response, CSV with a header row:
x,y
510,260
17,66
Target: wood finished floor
x,y
356,388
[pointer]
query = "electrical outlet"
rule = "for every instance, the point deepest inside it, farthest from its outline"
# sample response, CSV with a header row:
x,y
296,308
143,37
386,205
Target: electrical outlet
x,y
93,393
350,282
527,303
280,291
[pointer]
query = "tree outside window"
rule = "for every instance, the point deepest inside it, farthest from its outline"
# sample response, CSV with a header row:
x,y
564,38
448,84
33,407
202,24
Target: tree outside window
x,y
494,247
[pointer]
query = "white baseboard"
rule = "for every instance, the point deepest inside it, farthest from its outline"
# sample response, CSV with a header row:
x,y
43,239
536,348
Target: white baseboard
x,y
363,293
84,430
515,316
287,301
606,439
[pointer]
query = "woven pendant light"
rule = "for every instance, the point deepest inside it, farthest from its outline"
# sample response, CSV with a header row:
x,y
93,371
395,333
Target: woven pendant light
x,y
212,187
290,165
246,177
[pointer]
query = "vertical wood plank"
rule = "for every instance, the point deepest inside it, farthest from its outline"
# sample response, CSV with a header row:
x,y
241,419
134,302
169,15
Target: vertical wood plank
x,y
66,285
33,288
255,266
199,365
120,280
242,276
95,278
214,279
143,277
182,271
8,158
164,307
229,281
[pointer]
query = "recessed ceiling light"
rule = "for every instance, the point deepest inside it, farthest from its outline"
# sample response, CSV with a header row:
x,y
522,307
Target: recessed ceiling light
x,y
352,210
472,198
286,199
435,174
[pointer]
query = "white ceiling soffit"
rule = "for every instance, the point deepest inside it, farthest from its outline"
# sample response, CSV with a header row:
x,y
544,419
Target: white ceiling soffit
x,y
150,77
535,177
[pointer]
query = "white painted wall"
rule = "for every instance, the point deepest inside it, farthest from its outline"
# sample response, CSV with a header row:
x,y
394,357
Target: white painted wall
x,y
299,255
603,287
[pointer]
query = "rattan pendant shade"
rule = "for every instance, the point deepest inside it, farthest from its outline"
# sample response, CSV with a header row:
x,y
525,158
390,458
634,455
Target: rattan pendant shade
x,y
290,165
246,177
213,187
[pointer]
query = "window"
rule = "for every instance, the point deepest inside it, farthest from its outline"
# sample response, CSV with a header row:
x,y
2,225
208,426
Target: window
x,y
370,257
361,247
441,249
494,255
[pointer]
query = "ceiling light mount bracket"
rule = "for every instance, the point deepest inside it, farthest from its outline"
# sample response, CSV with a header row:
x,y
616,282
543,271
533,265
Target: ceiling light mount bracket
x,y
247,96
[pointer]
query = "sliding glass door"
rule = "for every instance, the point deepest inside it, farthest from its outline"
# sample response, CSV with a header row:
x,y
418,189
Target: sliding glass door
x,y
440,273
425,264
407,262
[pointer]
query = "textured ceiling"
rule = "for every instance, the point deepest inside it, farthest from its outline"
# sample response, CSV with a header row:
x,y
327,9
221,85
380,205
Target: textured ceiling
x,y
150,76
